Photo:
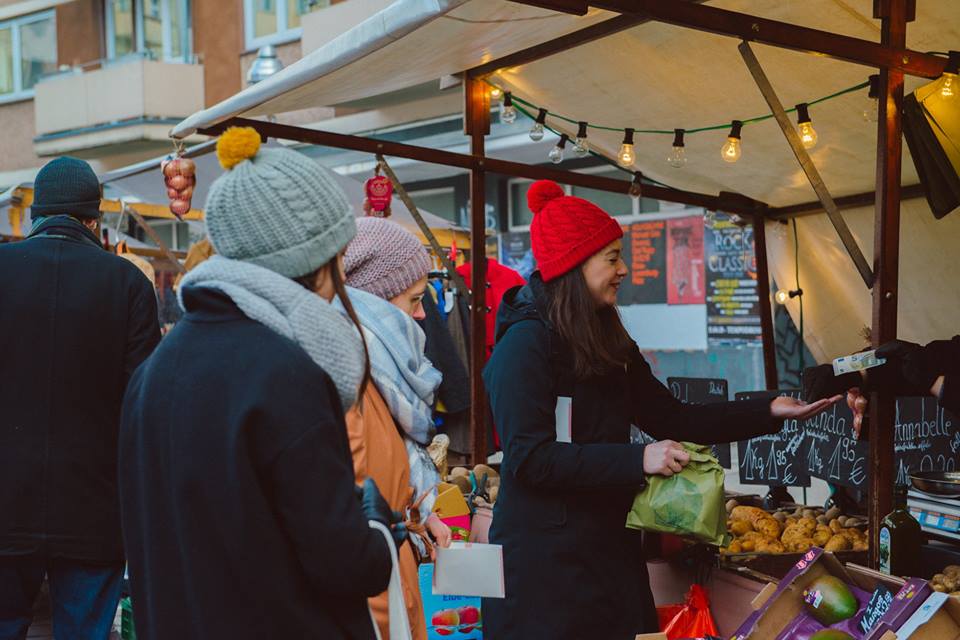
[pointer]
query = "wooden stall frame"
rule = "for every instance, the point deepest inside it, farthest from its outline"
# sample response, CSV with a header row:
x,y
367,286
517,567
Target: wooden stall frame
x,y
890,56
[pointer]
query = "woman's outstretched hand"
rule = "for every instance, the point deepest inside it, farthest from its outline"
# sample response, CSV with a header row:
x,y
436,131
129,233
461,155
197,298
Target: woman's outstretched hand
x,y
784,408
664,458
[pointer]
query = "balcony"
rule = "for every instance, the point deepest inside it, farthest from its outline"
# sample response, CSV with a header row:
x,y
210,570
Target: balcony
x,y
123,106
323,25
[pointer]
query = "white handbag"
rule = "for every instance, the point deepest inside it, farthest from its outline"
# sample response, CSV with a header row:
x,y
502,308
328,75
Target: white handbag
x,y
399,622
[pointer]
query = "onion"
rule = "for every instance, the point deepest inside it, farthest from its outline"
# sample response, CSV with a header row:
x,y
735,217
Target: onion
x,y
186,193
180,207
172,168
187,167
172,193
178,182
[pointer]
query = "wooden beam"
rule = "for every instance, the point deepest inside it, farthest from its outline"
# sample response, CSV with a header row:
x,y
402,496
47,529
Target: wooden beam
x,y
477,125
766,312
806,163
886,267
469,162
866,199
156,238
772,32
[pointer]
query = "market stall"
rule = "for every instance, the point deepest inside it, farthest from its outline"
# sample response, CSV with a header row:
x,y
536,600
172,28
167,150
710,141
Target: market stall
x,y
564,62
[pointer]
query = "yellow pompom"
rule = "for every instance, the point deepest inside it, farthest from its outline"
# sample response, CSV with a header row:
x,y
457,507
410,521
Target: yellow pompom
x,y
237,144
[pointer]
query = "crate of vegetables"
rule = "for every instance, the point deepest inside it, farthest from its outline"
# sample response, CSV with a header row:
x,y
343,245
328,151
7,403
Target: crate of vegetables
x,y
795,530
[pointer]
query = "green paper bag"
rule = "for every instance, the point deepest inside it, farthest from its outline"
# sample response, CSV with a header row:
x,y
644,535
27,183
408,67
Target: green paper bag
x,y
689,503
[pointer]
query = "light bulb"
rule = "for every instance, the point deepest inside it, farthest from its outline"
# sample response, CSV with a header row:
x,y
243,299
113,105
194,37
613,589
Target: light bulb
x,y
536,132
580,148
627,155
508,112
782,296
948,85
677,157
496,94
636,187
709,218
556,154
808,135
731,151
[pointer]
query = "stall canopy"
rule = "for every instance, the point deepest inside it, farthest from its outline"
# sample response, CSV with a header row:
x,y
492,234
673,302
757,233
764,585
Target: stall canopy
x,y
658,76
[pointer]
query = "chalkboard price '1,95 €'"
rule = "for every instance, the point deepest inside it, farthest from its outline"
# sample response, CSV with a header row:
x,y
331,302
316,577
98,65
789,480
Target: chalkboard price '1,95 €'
x,y
704,391
777,459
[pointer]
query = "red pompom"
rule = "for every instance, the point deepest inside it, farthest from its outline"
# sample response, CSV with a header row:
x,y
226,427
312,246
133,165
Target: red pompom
x,y
541,192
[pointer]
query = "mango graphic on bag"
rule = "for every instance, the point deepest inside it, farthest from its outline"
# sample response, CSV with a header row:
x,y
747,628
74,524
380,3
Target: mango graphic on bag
x,y
679,508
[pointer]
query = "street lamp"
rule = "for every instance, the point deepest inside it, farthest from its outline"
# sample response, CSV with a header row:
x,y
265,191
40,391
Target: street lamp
x,y
265,65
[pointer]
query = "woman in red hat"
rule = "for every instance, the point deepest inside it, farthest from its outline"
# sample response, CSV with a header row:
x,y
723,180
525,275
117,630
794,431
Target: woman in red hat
x,y
573,570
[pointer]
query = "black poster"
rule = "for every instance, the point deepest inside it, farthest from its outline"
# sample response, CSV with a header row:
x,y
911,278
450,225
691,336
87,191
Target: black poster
x,y
704,391
733,305
834,454
925,438
777,459
645,252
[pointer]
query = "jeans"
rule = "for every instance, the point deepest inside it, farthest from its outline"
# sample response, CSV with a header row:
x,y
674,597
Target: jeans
x,y
84,598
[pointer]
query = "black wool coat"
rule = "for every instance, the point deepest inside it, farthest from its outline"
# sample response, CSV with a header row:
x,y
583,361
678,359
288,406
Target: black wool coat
x,y
75,321
239,510
572,569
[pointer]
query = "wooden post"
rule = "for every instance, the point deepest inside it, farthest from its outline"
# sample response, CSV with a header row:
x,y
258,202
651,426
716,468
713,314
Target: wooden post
x,y
766,313
886,250
477,126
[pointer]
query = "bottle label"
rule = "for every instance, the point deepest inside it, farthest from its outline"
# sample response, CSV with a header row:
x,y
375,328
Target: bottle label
x,y
885,550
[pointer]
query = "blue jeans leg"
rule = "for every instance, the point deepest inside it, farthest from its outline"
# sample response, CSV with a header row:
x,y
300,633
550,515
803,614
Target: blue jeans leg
x,y
19,585
84,599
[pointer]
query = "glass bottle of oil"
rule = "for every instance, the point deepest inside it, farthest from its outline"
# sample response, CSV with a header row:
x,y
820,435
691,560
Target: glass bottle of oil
x,y
900,539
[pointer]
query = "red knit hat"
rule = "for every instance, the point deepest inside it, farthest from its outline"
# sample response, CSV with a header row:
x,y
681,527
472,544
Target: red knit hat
x,y
566,230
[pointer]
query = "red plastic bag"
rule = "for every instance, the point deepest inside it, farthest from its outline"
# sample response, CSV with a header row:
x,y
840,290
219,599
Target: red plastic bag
x,y
691,620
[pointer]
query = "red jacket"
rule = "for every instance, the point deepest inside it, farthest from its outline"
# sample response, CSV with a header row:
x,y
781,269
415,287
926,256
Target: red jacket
x,y
500,280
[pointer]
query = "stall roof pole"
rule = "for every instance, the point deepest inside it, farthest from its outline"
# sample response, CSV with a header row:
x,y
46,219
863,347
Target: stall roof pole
x,y
477,126
766,312
894,15
771,32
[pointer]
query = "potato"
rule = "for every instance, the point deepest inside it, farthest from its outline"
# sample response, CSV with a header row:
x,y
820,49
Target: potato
x,y
809,524
938,578
735,547
832,513
821,537
770,546
842,520
459,471
740,527
940,588
835,525
823,520
802,544
952,584
952,569
780,517
838,543
860,545
748,545
752,514
790,520
809,513
768,526
731,504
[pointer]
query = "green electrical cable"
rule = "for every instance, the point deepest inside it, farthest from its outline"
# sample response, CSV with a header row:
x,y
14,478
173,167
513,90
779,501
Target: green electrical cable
x,y
796,256
718,127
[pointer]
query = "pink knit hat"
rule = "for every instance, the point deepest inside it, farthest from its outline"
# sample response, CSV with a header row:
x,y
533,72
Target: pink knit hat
x,y
384,258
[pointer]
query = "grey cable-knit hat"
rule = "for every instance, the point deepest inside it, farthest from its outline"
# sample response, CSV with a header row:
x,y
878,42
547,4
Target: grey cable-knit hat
x,y
276,208
384,258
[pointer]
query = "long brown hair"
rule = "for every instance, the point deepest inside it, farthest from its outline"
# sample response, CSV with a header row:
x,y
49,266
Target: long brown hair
x,y
595,335
309,281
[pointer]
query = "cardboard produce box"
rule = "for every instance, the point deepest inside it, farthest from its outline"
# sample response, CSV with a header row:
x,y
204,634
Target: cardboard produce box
x,y
778,605
937,618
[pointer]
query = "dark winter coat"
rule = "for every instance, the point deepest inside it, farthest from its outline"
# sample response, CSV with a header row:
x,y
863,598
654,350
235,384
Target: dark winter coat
x,y
573,570
75,321
237,487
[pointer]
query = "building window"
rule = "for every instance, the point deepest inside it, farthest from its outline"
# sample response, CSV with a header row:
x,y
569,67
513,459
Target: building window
x,y
276,21
156,29
519,212
440,202
28,51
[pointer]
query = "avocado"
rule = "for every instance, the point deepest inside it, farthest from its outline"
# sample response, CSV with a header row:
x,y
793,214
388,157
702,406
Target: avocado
x,y
829,600
831,634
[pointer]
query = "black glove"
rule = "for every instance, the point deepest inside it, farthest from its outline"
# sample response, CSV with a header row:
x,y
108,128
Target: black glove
x,y
819,382
376,508
910,369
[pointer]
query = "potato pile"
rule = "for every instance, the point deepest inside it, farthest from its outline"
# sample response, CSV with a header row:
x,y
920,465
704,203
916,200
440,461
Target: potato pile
x,y
948,581
757,531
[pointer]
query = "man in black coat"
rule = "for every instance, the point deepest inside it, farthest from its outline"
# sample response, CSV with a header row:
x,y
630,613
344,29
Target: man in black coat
x,y
75,321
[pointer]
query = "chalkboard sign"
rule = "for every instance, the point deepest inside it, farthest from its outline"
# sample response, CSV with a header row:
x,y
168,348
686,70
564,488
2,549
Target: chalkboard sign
x,y
926,438
777,459
704,391
644,251
833,453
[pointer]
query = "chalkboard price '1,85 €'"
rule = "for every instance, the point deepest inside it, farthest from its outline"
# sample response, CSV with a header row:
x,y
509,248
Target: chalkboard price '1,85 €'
x,y
704,391
777,459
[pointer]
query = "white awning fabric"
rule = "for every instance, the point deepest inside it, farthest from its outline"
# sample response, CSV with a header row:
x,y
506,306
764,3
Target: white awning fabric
x,y
658,76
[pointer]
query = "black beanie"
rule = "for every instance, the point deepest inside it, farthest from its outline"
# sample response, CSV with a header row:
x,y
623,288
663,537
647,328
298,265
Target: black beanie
x,y
66,186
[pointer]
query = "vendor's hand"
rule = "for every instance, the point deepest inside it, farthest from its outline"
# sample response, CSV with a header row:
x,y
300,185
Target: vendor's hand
x,y
439,531
910,370
664,458
857,402
784,408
